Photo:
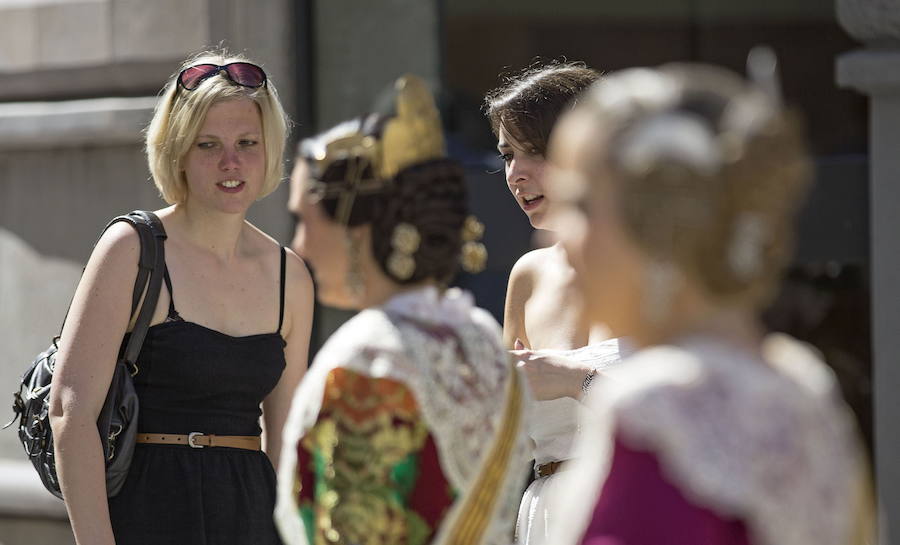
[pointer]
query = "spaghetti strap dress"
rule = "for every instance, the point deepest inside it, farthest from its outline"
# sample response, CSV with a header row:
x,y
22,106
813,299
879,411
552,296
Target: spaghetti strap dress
x,y
195,379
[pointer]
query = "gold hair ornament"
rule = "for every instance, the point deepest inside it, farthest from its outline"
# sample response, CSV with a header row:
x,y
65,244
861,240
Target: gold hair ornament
x,y
411,136
405,241
474,254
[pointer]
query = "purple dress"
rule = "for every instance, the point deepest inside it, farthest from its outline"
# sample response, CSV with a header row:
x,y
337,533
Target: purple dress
x,y
640,506
705,442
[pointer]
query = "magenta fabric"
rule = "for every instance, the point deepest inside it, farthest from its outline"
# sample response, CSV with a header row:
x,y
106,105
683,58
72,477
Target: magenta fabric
x,y
638,505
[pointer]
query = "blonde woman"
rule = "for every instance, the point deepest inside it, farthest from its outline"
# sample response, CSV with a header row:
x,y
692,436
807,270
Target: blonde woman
x,y
228,341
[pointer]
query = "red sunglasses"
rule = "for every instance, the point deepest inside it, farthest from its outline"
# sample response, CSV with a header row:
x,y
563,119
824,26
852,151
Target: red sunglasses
x,y
241,73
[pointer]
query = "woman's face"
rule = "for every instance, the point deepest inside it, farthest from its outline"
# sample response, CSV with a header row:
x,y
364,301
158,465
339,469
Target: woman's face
x,y
607,263
524,171
226,165
320,241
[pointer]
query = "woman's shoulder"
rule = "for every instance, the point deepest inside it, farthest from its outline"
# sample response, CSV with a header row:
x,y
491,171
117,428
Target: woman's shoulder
x,y
370,331
546,267
266,247
653,371
118,246
531,262
800,363
485,321
707,390
522,279
297,272
785,374
260,241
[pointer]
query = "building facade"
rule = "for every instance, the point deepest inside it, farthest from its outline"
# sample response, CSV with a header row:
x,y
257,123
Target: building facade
x,y
79,80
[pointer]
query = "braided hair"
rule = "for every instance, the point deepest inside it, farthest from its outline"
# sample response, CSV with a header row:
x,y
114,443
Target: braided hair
x,y
431,196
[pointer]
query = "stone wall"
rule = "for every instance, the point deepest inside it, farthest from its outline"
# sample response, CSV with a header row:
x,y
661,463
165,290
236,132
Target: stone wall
x,y
78,82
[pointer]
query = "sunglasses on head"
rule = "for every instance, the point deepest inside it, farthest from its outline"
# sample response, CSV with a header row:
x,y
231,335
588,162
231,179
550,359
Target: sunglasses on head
x,y
241,73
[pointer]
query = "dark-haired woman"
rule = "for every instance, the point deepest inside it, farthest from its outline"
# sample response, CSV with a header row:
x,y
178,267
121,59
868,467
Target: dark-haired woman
x,y
407,429
558,351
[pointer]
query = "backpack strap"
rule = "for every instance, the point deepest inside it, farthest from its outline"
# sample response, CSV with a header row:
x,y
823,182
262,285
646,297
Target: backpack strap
x,y
152,263
147,257
150,229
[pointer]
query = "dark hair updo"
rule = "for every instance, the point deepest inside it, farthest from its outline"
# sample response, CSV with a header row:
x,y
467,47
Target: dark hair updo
x,y
431,196
528,104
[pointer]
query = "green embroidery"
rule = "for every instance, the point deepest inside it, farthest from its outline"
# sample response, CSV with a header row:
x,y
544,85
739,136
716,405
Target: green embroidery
x,y
405,474
309,522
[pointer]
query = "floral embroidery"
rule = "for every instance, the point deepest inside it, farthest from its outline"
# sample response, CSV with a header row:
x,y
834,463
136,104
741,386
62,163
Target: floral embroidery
x,y
364,450
427,447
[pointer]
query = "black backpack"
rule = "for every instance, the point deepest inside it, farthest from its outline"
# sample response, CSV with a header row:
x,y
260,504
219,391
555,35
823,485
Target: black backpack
x,y
117,422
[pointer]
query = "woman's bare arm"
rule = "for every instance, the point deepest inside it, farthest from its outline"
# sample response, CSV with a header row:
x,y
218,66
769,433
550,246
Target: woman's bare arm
x,y
89,347
298,324
518,291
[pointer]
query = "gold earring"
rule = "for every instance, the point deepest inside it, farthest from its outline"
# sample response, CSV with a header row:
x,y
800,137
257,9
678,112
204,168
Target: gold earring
x,y
405,241
474,254
354,279
473,229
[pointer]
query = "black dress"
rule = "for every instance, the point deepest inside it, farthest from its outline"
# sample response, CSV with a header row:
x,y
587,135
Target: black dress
x,y
192,378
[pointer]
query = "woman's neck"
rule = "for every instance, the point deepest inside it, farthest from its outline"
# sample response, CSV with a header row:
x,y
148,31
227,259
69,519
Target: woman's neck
x,y
697,317
379,289
216,232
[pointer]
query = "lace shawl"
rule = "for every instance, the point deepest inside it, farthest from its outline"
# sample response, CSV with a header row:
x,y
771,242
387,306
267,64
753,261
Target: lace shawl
x,y
449,353
768,442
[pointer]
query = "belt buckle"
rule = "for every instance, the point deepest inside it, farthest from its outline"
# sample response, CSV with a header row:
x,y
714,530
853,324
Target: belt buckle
x,y
190,440
547,469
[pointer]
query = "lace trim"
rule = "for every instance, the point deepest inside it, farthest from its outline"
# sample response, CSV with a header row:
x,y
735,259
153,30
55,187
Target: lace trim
x,y
776,450
450,355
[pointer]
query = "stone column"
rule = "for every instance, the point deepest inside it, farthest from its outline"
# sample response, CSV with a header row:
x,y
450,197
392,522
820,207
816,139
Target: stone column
x,y
875,71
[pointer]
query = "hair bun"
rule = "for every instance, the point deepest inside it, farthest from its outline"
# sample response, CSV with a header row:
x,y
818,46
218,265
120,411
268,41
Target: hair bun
x,y
431,198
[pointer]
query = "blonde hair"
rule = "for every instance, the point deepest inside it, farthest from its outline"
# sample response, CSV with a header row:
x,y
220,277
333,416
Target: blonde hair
x,y
708,172
179,115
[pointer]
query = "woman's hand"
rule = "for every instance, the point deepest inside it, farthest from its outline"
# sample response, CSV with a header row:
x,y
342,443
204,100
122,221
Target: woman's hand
x,y
550,376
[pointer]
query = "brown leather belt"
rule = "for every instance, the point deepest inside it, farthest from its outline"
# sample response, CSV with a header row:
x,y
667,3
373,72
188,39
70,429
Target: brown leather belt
x,y
201,440
545,470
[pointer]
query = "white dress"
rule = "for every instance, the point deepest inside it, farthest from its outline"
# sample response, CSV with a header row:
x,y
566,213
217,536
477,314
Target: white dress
x,y
553,426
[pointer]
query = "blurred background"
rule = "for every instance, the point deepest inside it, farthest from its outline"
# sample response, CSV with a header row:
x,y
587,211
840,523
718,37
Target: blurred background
x,y
79,79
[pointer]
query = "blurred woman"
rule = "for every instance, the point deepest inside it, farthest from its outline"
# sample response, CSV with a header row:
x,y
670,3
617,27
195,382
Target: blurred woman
x,y
407,428
228,341
681,186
